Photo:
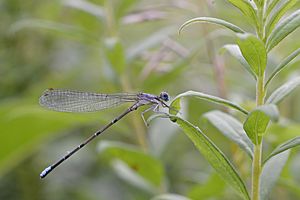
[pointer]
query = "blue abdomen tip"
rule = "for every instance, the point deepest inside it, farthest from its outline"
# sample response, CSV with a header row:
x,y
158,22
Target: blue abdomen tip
x,y
45,172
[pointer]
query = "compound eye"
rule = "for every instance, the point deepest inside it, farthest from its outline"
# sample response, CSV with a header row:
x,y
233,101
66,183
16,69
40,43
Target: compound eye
x,y
164,96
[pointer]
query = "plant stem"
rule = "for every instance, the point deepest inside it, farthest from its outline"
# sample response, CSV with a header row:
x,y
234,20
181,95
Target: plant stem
x,y
260,31
260,90
256,170
256,164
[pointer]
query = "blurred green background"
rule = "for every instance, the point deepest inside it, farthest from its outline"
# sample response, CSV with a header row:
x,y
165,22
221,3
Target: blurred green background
x,y
116,46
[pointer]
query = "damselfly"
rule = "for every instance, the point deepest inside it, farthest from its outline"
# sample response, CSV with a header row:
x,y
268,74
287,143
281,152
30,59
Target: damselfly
x,y
75,101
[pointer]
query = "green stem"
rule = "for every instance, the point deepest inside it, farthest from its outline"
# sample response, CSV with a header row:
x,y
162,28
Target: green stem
x,y
260,90
256,171
261,19
256,164
264,18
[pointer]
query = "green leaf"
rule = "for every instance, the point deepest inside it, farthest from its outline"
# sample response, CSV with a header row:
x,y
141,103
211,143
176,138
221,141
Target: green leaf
x,y
277,13
231,128
213,155
170,197
270,6
235,51
280,93
271,172
175,107
212,20
206,97
115,54
283,29
285,146
156,116
282,65
137,164
246,8
254,52
270,110
258,120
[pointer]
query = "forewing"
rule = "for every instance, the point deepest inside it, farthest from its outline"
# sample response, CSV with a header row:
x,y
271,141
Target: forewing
x,y
76,101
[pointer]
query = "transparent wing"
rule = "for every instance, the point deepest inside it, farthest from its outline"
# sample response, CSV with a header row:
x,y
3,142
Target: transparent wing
x,y
76,101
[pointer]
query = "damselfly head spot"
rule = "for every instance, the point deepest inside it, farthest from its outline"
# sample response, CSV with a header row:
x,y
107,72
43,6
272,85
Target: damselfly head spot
x,y
164,96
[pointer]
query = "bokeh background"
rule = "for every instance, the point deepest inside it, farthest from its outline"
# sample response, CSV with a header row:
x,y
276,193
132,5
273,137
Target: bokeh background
x,y
125,46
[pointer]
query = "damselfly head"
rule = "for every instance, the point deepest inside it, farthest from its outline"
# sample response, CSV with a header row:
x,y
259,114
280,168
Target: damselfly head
x,y
164,96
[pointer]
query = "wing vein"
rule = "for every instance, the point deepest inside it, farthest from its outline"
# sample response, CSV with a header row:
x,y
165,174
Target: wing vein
x,y
76,101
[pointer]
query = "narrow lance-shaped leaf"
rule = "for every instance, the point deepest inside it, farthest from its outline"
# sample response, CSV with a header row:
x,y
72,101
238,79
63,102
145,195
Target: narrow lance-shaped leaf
x,y
283,29
176,105
254,52
271,172
213,155
246,8
285,146
280,93
277,13
235,51
271,5
258,120
212,20
231,128
282,65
